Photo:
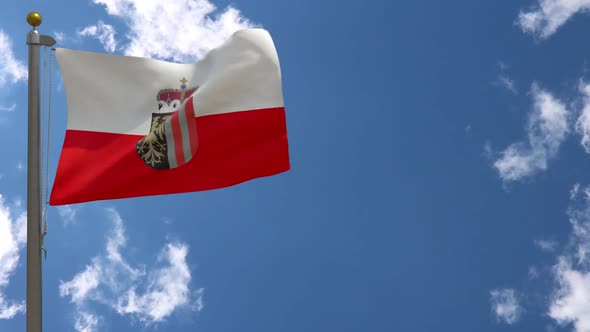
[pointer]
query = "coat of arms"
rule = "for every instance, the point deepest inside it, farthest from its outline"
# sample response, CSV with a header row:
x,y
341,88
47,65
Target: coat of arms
x,y
172,139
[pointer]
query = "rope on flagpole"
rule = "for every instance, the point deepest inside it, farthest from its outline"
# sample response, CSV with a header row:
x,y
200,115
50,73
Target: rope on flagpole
x,y
42,140
46,140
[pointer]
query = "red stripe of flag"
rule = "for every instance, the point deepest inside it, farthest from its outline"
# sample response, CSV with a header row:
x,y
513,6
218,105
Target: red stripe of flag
x,y
233,148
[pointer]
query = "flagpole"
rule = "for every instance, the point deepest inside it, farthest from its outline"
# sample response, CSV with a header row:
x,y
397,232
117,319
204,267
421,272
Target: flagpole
x,y
34,291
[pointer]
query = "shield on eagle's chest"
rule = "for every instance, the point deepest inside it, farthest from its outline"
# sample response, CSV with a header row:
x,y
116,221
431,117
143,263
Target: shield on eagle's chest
x,y
172,140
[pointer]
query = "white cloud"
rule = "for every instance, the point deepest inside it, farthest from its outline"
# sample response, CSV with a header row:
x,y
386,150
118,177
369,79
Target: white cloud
x,y
105,33
11,239
10,108
60,37
507,83
580,220
86,322
546,129
502,65
10,309
167,288
569,294
198,305
548,15
181,30
546,245
114,245
11,69
108,273
82,284
574,191
149,296
505,305
68,213
13,236
570,301
583,121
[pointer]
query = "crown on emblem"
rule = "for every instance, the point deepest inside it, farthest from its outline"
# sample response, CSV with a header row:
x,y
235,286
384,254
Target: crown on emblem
x,y
168,95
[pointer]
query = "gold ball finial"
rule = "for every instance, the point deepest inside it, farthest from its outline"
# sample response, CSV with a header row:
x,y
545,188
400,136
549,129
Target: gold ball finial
x,y
34,19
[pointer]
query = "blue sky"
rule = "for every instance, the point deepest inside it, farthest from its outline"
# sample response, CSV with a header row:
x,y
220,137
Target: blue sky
x,y
439,175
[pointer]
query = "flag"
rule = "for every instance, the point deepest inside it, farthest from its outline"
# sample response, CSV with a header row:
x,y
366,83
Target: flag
x,y
140,127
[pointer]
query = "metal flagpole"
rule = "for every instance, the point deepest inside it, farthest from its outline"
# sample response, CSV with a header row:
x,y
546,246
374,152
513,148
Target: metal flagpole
x,y
34,306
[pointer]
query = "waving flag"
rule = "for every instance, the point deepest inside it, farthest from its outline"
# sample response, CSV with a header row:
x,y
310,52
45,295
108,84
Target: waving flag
x,y
139,127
